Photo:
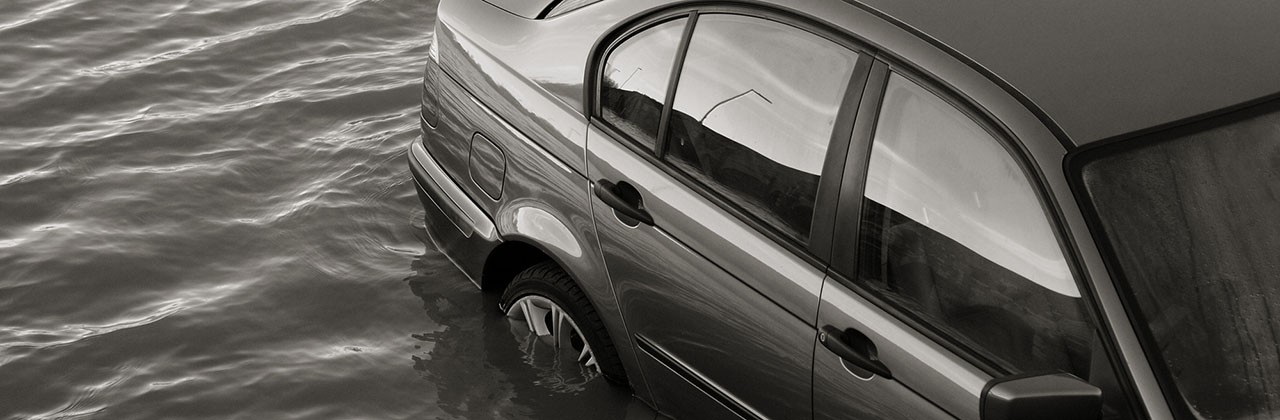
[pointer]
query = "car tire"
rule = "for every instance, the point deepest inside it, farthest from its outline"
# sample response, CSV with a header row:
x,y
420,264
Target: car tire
x,y
544,286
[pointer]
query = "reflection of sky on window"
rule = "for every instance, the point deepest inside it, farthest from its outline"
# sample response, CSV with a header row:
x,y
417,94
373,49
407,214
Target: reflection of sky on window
x,y
643,63
936,166
803,75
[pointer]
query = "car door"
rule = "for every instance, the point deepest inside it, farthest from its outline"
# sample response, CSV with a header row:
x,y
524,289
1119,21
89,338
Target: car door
x,y
948,275
711,197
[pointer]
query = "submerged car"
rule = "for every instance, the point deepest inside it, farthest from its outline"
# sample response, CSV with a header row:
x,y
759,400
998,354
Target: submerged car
x,y
820,209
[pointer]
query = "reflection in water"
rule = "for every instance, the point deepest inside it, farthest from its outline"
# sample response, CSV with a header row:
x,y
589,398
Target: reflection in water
x,y
487,366
206,214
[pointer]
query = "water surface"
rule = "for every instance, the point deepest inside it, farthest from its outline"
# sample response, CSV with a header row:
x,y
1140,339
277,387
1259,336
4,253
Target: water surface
x,y
205,212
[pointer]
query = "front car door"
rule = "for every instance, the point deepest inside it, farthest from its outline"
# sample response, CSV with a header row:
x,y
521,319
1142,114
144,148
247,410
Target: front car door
x,y
948,272
710,149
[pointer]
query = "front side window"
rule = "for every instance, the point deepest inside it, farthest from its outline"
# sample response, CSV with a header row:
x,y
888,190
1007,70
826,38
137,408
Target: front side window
x,y
1193,222
953,233
754,112
633,87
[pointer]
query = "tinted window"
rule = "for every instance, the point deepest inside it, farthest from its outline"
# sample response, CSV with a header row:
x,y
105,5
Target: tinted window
x,y
634,85
1194,224
954,234
754,112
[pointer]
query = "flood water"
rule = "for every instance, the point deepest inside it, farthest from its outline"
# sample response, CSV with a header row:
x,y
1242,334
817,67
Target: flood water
x,y
205,212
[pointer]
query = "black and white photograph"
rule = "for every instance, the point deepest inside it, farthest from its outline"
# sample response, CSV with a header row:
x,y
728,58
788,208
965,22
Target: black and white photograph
x,y
639,210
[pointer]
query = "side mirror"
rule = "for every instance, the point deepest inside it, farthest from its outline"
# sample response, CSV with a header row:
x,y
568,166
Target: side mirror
x,y
1057,396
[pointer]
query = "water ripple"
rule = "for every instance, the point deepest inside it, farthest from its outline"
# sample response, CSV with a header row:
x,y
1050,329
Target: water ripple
x,y
206,43
207,214
16,337
39,14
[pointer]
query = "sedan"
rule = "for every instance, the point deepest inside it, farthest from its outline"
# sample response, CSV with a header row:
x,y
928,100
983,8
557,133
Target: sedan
x,y
872,209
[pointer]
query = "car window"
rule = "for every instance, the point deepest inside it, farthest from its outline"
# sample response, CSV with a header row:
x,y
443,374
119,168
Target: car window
x,y
634,81
1190,217
754,112
953,233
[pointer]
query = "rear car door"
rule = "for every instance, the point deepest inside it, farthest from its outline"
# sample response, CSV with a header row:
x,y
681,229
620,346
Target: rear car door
x,y
711,150
948,275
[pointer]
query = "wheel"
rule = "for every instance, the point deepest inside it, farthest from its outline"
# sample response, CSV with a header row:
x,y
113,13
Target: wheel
x,y
546,299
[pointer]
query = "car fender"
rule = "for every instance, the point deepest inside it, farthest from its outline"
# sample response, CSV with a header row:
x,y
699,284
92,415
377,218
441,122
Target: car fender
x,y
534,222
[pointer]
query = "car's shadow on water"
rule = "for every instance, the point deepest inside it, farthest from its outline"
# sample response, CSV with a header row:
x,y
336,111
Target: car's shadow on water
x,y
484,367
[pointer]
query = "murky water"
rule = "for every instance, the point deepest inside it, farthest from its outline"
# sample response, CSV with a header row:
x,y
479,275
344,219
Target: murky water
x,y
205,212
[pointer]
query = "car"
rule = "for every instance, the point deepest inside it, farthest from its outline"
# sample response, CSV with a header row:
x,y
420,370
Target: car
x,y
821,209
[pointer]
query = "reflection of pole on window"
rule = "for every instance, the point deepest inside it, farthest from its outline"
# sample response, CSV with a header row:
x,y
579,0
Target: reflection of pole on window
x,y
713,107
633,74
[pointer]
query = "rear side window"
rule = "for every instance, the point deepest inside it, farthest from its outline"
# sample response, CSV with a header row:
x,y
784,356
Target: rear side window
x,y
754,113
634,82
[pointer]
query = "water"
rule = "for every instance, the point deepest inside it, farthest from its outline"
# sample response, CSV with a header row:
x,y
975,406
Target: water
x,y
205,212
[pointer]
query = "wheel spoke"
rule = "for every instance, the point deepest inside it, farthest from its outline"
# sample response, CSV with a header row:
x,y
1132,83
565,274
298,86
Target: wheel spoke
x,y
564,329
533,317
524,310
554,326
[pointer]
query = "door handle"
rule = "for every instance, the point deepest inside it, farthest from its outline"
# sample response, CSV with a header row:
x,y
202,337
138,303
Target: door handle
x,y
623,198
855,348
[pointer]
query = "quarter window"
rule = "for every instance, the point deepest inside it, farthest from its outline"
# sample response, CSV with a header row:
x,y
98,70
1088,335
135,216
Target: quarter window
x,y
754,112
634,84
953,233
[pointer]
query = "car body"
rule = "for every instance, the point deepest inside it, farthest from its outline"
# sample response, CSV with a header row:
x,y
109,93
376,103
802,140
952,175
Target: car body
x,y
878,209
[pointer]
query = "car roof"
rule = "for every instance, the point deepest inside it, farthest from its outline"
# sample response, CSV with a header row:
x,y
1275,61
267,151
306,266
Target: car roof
x,y
1106,68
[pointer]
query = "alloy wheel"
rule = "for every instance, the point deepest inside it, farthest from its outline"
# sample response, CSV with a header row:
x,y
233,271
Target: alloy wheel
x,y
553,325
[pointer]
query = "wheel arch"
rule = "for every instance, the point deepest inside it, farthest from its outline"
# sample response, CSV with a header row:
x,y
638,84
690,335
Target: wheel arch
x,y
531,233
517,253
509,259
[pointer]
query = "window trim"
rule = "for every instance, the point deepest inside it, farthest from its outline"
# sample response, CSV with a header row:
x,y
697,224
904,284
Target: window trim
x,y
595,80
817,250
850,209
673,84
